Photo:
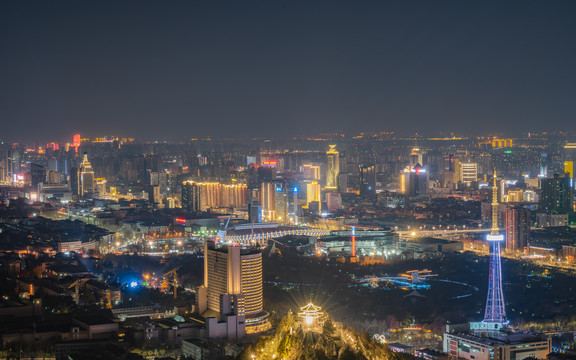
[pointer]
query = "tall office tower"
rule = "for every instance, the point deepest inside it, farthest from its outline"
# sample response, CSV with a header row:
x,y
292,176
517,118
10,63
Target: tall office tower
x,y
267,172
468,173
295,207
569,169
517,228
313,194
557,195
450,171
4,167
37,175
543,165
367,180
254,212
158,179
414,181
311,172
343,182
252,177
416,158
100,186
332,168
282,200
55,177
231,298
191,199
268,200
334,201
74,181
569,158
85,179
495,307
13,161
152,164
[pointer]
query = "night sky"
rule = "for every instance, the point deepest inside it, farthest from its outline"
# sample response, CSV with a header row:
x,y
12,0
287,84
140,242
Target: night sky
x,y
177,69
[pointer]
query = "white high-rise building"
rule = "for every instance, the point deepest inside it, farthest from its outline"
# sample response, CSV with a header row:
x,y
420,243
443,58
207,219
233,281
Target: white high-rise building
x,y
85,179
468,172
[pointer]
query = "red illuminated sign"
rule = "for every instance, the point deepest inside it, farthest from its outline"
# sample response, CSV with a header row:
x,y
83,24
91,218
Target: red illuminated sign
x,y
76,142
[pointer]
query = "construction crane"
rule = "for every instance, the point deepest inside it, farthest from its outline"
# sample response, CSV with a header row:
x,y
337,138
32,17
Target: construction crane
x,y
326,222
76,284
173,272
227,222
274,249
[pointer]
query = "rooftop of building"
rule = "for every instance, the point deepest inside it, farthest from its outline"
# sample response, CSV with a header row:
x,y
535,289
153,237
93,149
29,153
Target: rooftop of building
x,y
432,240
431,352
96,319
504,339
243,250
68,268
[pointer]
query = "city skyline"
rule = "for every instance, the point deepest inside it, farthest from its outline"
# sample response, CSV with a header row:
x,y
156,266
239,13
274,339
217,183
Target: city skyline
x,y
74,140
288,180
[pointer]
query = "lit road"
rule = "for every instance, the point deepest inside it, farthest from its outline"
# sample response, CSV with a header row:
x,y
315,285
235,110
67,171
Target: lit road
x,y
448,234
537,261
439,232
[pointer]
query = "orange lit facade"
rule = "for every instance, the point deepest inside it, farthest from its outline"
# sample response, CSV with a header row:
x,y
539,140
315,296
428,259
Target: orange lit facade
x,y
213,195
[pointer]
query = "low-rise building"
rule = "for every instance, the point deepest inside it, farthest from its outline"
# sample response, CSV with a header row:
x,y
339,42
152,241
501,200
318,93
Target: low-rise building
x,y
505,346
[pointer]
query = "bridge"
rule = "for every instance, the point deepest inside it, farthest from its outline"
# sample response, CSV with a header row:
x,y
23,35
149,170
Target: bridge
x,y
261,236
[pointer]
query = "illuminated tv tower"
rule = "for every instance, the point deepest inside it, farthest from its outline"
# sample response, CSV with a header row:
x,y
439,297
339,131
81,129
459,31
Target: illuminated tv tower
x,y
495,307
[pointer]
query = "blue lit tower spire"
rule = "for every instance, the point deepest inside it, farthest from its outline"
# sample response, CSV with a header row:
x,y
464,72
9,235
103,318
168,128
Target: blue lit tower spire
x,y
495,308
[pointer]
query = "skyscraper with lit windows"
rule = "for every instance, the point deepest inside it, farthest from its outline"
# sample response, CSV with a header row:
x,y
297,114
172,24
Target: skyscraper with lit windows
x,y
231,298
332,168
367,180
517,228
191,196
557,196
85,179
199,196
268,200
313,194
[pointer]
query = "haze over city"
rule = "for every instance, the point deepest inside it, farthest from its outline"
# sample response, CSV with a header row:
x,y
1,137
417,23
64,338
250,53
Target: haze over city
x,y
257,68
